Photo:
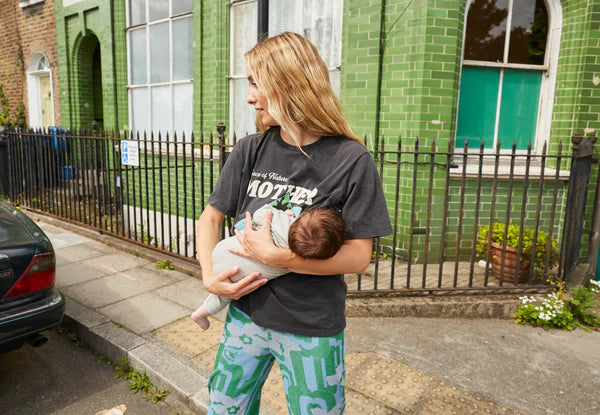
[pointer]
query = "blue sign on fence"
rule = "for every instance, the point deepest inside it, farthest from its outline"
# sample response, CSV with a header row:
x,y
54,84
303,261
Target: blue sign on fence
x,y
130,153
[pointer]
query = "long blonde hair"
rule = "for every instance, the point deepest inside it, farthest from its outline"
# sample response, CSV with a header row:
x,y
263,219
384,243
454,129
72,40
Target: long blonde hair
x,y
292,76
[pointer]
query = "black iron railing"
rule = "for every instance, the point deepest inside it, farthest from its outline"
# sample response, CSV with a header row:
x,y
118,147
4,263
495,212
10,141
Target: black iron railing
x,y
151,189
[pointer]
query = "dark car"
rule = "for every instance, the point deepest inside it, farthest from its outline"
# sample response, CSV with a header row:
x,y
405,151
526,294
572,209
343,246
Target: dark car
x,y
29,302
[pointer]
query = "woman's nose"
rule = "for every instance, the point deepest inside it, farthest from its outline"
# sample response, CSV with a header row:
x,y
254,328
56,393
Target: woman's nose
x,y
250,99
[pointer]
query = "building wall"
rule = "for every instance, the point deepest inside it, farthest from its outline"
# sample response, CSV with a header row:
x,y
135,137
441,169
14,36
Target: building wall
x,y
22,33
78,25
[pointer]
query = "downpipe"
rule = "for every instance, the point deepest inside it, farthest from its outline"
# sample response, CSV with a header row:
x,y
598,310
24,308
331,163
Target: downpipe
x,y
594,242
37,340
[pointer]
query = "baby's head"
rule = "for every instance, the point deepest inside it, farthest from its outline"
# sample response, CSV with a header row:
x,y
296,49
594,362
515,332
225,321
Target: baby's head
x,y
318,233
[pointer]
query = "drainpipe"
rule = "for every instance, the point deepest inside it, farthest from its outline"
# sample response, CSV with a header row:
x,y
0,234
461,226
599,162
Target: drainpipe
x,y
594,243
382,36
263,19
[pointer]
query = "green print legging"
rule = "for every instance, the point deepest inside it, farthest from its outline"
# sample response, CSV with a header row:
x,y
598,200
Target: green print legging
x,y
312,369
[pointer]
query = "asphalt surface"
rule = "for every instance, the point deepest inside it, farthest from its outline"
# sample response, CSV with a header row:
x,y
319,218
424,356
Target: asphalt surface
x,y
122,305
61,378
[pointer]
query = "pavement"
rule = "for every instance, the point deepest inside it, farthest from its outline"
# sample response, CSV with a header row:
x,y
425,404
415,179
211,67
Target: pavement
x,y
122,305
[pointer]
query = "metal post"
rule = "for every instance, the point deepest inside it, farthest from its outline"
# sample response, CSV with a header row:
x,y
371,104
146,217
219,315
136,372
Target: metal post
x,y
576,202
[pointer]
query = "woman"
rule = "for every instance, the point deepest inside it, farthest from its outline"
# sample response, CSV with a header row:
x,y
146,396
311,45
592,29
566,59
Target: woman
x,y
307,156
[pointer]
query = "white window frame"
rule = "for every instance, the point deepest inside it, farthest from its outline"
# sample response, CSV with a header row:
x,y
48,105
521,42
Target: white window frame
x,y
548,83
148,85
36,118
338,15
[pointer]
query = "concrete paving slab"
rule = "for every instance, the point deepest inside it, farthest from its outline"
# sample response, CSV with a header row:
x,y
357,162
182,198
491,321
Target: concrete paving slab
x,y
117,262
189,292
75,253
172,274
145,312
61,239
75,273
110,289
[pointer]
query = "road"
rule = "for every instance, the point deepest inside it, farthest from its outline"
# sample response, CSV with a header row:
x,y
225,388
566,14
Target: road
x,y
63,378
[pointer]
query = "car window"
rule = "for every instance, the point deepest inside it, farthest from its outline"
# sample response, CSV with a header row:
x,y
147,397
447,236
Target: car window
x,y
11,229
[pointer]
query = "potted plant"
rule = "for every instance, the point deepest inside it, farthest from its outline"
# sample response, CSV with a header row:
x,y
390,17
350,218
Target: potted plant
x,y
539,251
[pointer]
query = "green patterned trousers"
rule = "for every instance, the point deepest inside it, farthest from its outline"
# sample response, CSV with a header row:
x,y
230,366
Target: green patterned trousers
x,y
312,369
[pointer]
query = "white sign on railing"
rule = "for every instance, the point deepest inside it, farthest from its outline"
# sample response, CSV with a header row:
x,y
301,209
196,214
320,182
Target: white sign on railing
x,y
130,153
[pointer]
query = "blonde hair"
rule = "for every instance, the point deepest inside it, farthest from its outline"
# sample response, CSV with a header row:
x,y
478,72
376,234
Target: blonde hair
x,y
292,76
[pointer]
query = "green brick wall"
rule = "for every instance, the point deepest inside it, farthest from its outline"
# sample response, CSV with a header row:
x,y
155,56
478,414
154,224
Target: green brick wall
x,y
420,78
80,27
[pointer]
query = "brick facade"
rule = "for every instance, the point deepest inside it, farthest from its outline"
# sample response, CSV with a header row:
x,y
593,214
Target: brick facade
x,y
23,32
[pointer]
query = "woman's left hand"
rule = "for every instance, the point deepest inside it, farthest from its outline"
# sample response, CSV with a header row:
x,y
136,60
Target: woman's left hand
x,y
257,244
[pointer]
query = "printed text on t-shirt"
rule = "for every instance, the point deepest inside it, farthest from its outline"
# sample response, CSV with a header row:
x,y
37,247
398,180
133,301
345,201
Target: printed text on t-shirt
x,y
270,189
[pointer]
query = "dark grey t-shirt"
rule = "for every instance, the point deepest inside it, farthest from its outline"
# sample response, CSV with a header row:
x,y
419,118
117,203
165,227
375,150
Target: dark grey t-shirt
x,y
340,173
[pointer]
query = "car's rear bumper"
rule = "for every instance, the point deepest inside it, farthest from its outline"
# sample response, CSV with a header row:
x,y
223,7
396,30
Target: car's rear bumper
x,y
18,324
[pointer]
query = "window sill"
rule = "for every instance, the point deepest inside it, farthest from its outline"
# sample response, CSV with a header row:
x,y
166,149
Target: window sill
x,y
488,169
29,3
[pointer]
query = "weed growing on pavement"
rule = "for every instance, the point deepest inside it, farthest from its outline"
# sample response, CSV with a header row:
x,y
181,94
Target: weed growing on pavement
x,y
164,265
72,336
560,310
139,382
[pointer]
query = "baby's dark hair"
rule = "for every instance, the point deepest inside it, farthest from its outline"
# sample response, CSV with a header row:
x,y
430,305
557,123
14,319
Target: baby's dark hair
x,y
318,233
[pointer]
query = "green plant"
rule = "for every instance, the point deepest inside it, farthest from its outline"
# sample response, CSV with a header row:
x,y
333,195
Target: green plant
x,y
5,118
584,297
541,249
560,310
139,382
164,265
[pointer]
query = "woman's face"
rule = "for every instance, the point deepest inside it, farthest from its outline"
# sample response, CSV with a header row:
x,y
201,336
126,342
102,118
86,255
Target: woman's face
x,y
259,101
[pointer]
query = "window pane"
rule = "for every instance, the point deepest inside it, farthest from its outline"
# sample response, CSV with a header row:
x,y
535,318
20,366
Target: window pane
x,y
243,115
529,30
139,110
137,12
159,9
159,52
183,49
183,110
161,110
318,27
519,108
477,106
137,44
244,20
283,17
486,28
181,6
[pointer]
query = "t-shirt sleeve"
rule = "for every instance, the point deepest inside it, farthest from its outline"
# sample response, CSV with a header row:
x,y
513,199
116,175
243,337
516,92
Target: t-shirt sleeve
x,y
365,210
225,194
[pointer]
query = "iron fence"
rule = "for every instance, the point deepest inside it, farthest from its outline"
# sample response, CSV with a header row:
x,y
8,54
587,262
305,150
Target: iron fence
x,y
151,189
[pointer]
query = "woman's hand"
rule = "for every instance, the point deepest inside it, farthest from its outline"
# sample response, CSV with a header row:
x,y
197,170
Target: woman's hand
x,y
258,245
222,285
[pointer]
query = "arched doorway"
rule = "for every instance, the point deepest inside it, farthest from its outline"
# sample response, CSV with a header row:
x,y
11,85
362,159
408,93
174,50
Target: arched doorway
x,y
39,91
88,82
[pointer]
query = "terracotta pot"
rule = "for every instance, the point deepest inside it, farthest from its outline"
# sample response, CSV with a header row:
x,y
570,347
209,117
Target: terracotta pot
x,y
510,263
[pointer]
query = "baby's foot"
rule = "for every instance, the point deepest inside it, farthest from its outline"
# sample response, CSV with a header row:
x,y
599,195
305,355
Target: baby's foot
x,y
200,320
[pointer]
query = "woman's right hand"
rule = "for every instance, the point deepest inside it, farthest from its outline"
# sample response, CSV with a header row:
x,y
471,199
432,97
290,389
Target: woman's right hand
x,y
221,284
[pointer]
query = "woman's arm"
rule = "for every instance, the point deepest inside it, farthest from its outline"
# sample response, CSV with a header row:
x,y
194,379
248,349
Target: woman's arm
x,y
207,238
352,258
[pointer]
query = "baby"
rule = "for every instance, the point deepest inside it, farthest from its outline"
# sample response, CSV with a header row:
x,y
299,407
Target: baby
x,y
316,233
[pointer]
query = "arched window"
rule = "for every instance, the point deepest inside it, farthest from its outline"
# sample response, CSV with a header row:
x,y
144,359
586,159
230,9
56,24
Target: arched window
x,y
39,92
508,72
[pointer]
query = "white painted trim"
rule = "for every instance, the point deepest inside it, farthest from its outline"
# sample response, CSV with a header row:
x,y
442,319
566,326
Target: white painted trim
x,y
34,98
548,83
28,3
